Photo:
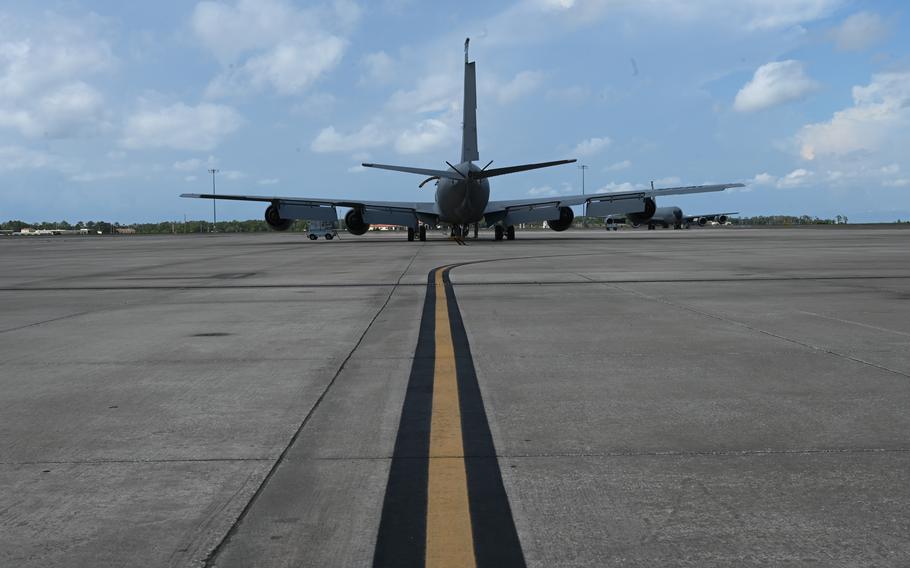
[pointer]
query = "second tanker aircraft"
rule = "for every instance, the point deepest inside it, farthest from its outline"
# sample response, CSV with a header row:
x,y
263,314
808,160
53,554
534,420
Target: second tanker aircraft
x,y
463,195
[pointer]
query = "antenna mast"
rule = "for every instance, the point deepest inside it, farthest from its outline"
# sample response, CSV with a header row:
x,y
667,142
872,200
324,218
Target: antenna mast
x,y
466,41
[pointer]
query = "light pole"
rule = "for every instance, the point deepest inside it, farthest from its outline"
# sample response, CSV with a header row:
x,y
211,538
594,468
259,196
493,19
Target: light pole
x,y
213,171
584,211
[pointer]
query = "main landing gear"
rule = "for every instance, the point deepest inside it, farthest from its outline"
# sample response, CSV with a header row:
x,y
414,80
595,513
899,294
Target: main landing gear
x,y
499,231
420,233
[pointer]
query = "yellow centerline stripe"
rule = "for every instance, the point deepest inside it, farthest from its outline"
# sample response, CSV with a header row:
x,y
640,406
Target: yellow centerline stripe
x,y
450,540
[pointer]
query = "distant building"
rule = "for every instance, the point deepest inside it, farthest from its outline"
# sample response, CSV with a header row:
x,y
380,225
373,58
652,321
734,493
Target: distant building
x,y
125,230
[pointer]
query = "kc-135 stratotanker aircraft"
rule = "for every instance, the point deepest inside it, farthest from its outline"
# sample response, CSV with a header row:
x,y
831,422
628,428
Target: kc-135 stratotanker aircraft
x,y
463,195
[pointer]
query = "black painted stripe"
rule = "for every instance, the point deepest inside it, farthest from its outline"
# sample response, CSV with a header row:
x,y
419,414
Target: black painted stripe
x,y
401,539
402,528
495,538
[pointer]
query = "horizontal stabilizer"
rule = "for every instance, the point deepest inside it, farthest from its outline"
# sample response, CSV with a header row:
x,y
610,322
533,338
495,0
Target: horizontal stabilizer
x,y
421,171
515,169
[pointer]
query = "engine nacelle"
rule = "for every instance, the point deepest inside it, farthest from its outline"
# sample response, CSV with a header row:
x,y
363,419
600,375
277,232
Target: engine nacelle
x,y
566,216
702,221
641,217
722,219
273,219
353,220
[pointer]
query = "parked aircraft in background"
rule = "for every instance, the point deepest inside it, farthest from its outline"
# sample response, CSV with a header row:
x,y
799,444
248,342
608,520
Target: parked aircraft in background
x,y
667,217
462,195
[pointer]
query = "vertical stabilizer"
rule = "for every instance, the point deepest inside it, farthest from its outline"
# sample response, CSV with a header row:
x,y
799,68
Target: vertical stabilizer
x,y
469,151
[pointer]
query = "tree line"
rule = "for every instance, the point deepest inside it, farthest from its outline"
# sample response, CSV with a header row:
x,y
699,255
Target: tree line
x,y
161,228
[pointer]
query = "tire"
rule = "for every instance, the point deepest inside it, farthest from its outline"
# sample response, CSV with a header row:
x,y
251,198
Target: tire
x,y
329,236
497,233
423,233
510,232
312,237
410,234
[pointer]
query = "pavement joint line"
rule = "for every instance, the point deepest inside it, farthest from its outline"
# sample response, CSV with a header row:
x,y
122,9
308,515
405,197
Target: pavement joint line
x,y
763,331
856,323
212,555
135,461
586,281
629,454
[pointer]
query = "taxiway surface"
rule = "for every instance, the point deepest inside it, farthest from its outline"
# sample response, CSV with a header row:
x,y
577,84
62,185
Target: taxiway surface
x,y
693,398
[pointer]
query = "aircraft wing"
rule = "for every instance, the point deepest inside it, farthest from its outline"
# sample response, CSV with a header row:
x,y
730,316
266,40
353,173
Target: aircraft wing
x,y
617,203
403,213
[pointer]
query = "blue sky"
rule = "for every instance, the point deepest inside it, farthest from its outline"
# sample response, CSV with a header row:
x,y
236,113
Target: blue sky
x,y
109,110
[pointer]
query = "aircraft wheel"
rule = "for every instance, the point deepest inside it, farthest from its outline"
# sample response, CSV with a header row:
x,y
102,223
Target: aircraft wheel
x,y
423,232
510,232
650,226
476,229
329,236
497,232
677,227
466,231
410,234
312,237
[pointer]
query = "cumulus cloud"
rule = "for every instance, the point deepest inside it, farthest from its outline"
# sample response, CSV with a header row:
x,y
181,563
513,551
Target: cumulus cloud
x,y
522,84
19,158
271,44
330,140
615,167
859,31
379,68
188,165
180,126
880,115
268,181
433,93
591,146
43,77
773,84
425,135
797,178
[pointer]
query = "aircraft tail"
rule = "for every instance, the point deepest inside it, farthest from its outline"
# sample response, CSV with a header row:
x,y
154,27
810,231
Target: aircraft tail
x,y
469,152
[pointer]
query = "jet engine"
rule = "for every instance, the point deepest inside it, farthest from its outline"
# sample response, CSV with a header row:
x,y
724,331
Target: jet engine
x,y
702,221
355,223
274,220
636,219
566,216
721,219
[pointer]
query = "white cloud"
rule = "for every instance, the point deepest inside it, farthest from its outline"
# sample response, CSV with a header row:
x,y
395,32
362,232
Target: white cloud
x,y
330,140
190,178
859,31
180,126
618,166
878,118
797,178
98,176
188,165
380,68
899,182
522,84
433,93
19,158
233,175
268,181
43,72
590,146
773,84
763,179
624,186
425,135
548,191
271,44
570,95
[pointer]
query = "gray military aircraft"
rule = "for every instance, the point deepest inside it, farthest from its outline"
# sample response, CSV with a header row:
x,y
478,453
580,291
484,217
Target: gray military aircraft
x,y
667,217
463,195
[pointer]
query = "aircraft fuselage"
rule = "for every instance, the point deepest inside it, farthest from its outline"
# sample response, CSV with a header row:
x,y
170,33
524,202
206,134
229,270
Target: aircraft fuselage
x,y
462,201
